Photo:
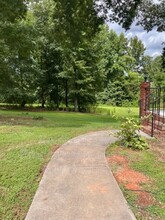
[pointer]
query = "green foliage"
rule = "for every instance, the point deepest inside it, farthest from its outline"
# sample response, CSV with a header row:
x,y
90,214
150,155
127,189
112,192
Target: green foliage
x,y
18,64
75,26
66,59
75,22
114,94
57,53
149,13
12,10
118,63
121,93
136,50
114,60
129,136
154,69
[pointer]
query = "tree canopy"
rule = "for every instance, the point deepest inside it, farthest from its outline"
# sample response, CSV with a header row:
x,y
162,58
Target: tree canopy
x,y
12,10
149,13
60,53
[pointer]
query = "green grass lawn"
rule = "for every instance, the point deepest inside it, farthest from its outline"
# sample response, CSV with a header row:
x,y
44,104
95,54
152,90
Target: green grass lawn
x,y
27,141
118,111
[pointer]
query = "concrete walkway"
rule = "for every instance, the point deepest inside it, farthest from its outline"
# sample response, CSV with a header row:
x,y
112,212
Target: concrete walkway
x,y
78,184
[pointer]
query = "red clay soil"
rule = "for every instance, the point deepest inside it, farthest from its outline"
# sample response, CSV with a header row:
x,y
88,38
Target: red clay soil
x,y
145,199
117,159
131,179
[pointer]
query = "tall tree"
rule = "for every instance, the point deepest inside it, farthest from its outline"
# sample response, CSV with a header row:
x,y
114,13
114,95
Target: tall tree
x,y
115,60
48,53
76,23
19,64
116,64
136,50
11,14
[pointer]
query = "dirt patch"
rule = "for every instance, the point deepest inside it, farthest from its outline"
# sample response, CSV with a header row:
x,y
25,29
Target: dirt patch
x,y
117,159
132,180
54,148
145,199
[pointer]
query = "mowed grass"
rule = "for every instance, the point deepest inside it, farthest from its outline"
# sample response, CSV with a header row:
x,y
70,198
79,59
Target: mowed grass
x,y
27,141
118,111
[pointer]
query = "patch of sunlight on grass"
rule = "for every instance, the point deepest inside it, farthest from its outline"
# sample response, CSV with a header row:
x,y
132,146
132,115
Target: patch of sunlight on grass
x,y
118,111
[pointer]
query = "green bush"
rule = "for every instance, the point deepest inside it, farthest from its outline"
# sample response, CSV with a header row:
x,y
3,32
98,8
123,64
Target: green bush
x,y
129,135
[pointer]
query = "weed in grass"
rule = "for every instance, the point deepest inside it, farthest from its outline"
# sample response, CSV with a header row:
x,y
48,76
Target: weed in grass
x,y
38,118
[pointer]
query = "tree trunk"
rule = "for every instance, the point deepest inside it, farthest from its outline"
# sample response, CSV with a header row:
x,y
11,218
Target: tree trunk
x,y
23,103
57,93
42,99
76,89
76,103
66,94
43,103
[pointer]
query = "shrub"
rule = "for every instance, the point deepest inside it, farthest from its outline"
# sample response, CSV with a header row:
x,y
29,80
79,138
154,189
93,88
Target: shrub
x,y
129,135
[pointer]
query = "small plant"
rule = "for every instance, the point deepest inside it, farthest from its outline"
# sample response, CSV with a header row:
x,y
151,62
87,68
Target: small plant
x,y
129,136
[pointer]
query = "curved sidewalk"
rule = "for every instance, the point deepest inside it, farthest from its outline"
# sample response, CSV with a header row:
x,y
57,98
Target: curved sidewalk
x,y
78,184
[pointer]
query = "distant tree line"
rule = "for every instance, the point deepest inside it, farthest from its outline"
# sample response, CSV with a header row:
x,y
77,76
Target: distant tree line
x,y
61,53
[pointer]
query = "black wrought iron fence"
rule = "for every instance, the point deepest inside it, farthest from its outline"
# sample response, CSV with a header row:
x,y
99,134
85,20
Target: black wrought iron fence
x,y
155,107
